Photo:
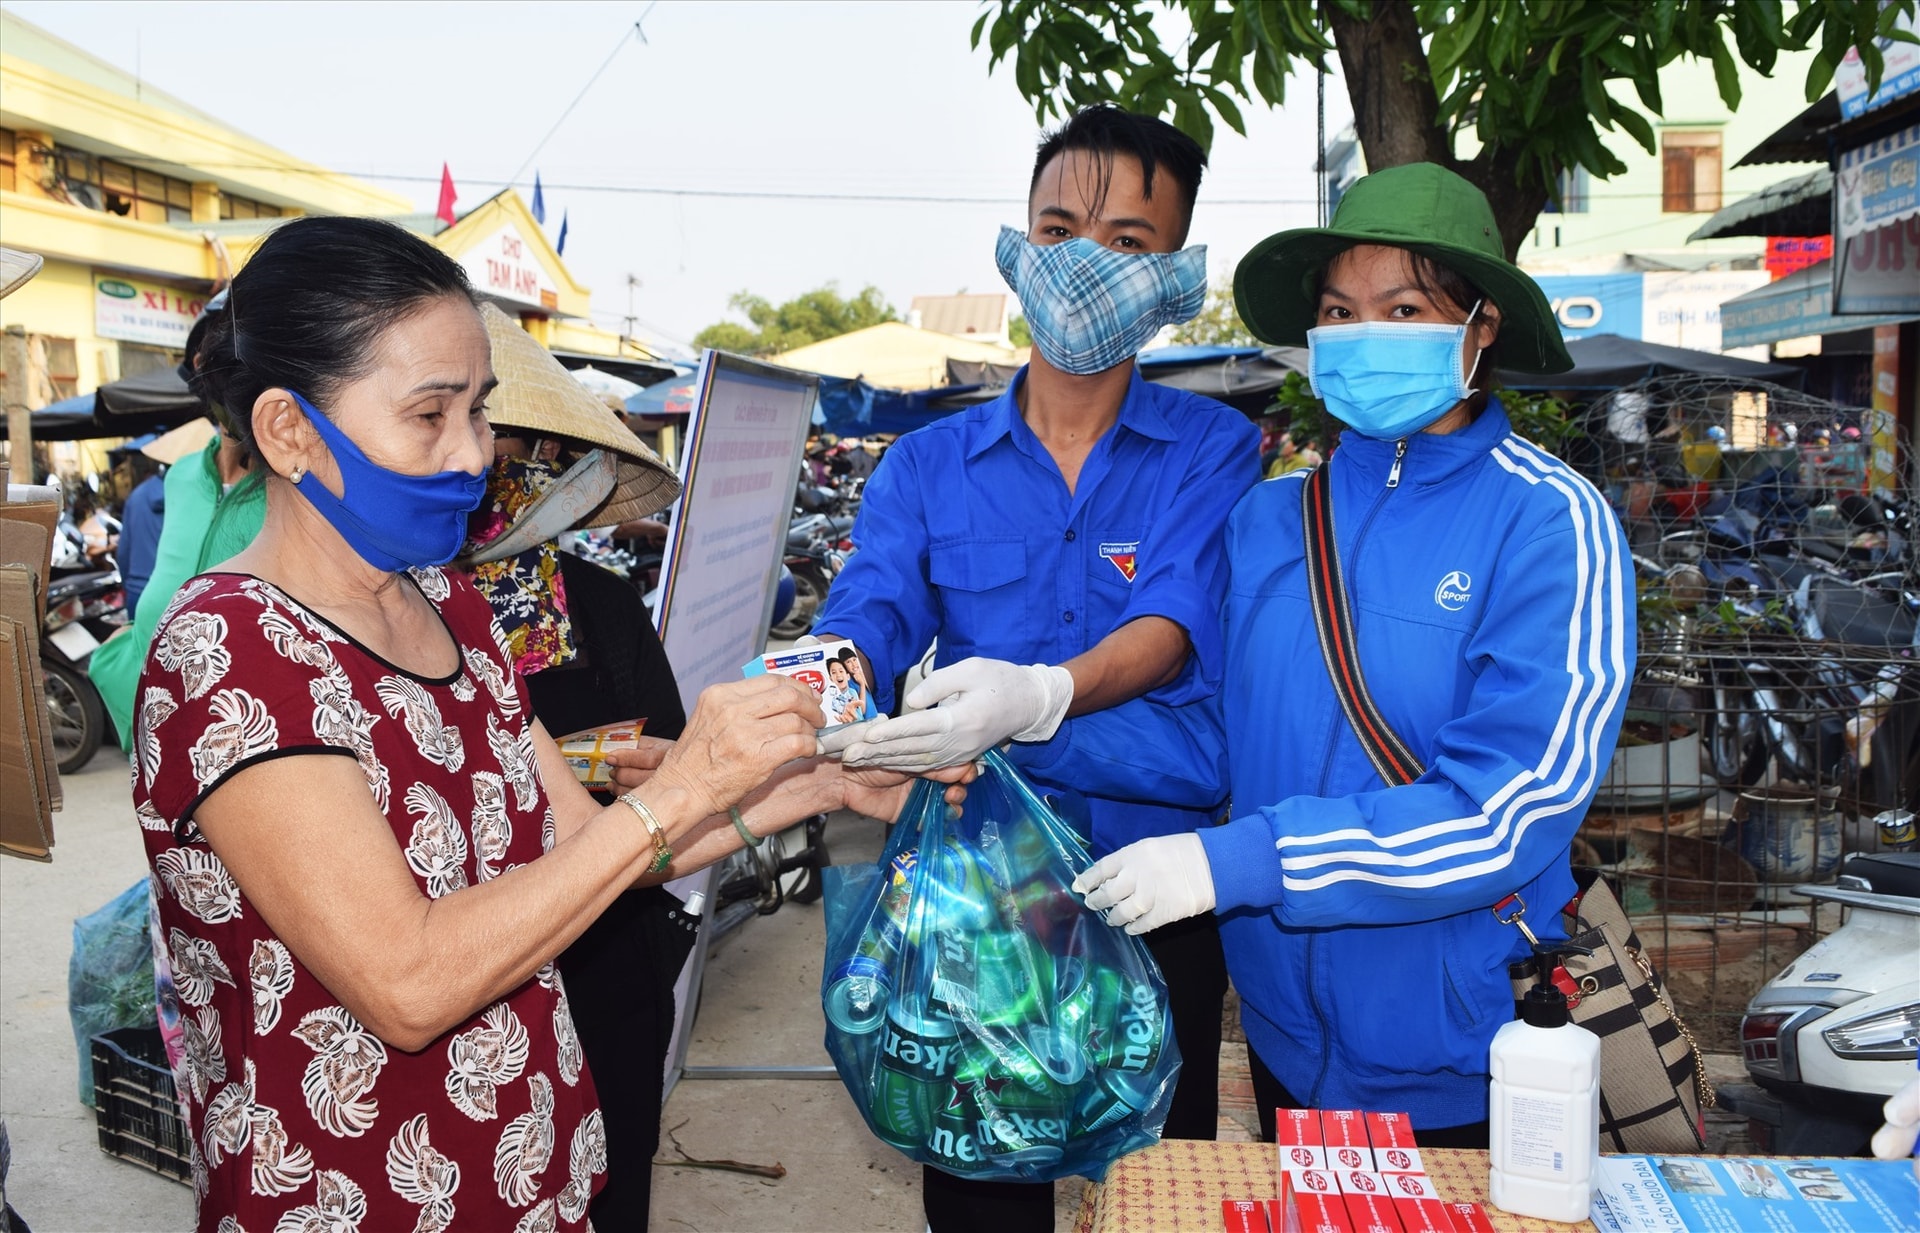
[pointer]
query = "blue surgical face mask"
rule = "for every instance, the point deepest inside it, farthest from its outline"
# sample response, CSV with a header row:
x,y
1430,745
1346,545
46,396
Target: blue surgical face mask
x,y
1389,379
393,521
1090,307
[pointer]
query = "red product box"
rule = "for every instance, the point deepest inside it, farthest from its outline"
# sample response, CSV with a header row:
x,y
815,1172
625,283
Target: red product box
x,y
1370,1213
1423,1216
1469,1218
1391,1136
1297,1138
1308,1212
1244,1215
1344,1131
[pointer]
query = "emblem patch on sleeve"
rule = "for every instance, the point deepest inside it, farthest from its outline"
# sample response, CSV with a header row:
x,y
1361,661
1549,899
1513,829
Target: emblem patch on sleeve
x,y
1122,557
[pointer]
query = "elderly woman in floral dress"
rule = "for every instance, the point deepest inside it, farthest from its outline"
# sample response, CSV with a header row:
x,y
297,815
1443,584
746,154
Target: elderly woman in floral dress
x,y
366,852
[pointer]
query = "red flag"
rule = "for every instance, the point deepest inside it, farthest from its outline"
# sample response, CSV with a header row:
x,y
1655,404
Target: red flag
x,y
447,196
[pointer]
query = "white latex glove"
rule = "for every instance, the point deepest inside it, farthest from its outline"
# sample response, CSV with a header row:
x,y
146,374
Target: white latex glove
x,y
1150,883
976,705
1895,1140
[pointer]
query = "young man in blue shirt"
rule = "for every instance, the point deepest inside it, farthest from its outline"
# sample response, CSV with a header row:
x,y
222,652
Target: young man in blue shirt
x,y
1062,545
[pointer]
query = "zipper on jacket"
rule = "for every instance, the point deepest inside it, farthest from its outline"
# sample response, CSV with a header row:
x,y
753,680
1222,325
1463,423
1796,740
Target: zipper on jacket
x,y
1399,452
1320,1016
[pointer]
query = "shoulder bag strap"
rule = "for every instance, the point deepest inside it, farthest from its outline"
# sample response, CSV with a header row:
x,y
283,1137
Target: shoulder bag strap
x,y
1333,621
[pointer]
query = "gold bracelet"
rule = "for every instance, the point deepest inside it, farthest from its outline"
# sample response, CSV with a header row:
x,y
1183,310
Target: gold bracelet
x,y
662,854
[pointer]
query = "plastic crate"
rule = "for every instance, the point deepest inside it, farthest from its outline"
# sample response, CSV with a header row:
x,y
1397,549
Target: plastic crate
x,y
134,1102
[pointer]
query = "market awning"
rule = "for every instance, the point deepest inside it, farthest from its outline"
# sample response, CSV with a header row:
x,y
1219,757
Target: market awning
x,y
1608,361
152,401
1802,139
1794,307
1797,207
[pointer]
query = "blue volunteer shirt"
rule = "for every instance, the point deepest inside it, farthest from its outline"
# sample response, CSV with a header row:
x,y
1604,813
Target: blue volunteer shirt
x,y
967,534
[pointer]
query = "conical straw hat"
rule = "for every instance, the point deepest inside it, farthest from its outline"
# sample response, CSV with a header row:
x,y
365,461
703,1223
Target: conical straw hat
x,y
536,393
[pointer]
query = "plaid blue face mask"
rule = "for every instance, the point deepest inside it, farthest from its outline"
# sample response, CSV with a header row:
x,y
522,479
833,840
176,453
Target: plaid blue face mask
x,y
1091,307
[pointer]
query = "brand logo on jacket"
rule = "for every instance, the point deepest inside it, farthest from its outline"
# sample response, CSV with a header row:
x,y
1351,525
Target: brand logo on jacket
x,y
1122,557
1454,591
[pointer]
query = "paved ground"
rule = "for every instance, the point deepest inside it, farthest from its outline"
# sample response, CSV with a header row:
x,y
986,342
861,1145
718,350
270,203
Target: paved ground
x,y
760,1007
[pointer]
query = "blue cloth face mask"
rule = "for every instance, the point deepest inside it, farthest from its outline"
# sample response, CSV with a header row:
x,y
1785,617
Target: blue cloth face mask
x,y
1388,379
1090,307
393,521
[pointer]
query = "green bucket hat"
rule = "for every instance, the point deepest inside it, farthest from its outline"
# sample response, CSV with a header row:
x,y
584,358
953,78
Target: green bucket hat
x,y
1421,207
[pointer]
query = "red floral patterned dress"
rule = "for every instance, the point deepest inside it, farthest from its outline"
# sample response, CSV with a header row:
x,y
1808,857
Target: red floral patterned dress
x,y
302,1119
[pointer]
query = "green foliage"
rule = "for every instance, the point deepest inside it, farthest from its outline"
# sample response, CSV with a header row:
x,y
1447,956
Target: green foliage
x,y
808,318
1528,80
1218,324
1017,332
1540,418
1305,414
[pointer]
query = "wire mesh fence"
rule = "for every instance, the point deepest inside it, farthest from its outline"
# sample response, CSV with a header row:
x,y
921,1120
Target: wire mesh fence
x,y
1773,726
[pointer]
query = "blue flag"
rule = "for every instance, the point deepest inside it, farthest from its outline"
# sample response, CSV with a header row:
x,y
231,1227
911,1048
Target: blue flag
x,y
539,201
560,245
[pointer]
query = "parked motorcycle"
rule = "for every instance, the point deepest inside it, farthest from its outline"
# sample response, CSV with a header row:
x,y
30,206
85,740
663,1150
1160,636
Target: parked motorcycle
x,y
1831,1037
83,610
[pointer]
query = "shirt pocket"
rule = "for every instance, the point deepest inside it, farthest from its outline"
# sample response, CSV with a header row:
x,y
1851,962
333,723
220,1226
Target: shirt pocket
x,y
1113,561
979,584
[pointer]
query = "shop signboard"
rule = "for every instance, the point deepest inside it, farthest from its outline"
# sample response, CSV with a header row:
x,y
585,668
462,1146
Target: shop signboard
x,y
1899,77
505,265
1883,471
137,311
1682,309
1789,254
1799,305
1879,272
1878,183
1589,304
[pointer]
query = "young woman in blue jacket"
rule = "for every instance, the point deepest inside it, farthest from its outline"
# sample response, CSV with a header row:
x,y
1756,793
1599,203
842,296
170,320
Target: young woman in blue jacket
x,y
1492,605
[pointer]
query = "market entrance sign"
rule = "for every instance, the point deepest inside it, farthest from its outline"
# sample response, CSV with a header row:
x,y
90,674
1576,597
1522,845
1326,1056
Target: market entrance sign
x,y
133,310
505,265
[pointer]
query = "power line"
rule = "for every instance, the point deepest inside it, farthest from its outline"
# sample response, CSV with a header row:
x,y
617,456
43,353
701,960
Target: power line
x,y
604,65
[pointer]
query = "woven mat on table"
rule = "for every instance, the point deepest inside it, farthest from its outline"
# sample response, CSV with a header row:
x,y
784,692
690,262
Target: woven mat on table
x,y
1176,1187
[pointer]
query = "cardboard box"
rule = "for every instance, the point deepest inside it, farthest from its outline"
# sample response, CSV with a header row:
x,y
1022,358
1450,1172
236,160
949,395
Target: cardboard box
x,y
586,752
1391,1137
1244,1215
1308,1212
1416,1203
1296,1136
834,673
1370,1213
1344,1131
1468,1218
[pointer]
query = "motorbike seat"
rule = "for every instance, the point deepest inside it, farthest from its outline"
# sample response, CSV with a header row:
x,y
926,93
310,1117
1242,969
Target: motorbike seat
x,y
1853,615
1887,873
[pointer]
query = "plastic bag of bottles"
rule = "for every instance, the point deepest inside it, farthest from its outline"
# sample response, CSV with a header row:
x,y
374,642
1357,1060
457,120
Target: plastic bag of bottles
x,y
985,1021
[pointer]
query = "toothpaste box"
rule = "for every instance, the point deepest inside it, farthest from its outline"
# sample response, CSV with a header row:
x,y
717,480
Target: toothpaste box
x,y
1369,1211
1416,1203
1244,1215
1468,1218
1306,1210
832,670
1344,1131
586,752
1391,1137
1297,1139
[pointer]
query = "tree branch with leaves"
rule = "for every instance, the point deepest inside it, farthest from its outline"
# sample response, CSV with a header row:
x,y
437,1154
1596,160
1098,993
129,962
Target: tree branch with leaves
x,y
1508,93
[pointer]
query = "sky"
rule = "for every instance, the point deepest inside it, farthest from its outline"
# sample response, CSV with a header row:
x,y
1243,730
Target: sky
x,y
781,100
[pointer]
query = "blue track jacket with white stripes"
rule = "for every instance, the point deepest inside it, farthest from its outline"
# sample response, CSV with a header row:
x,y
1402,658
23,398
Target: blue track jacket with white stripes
x,y
1493,599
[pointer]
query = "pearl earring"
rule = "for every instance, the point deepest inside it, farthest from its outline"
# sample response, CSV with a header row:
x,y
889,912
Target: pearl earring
x,y
296,475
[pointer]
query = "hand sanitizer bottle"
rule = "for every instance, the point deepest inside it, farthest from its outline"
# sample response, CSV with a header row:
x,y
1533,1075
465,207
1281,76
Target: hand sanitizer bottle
x,y
1544,1121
